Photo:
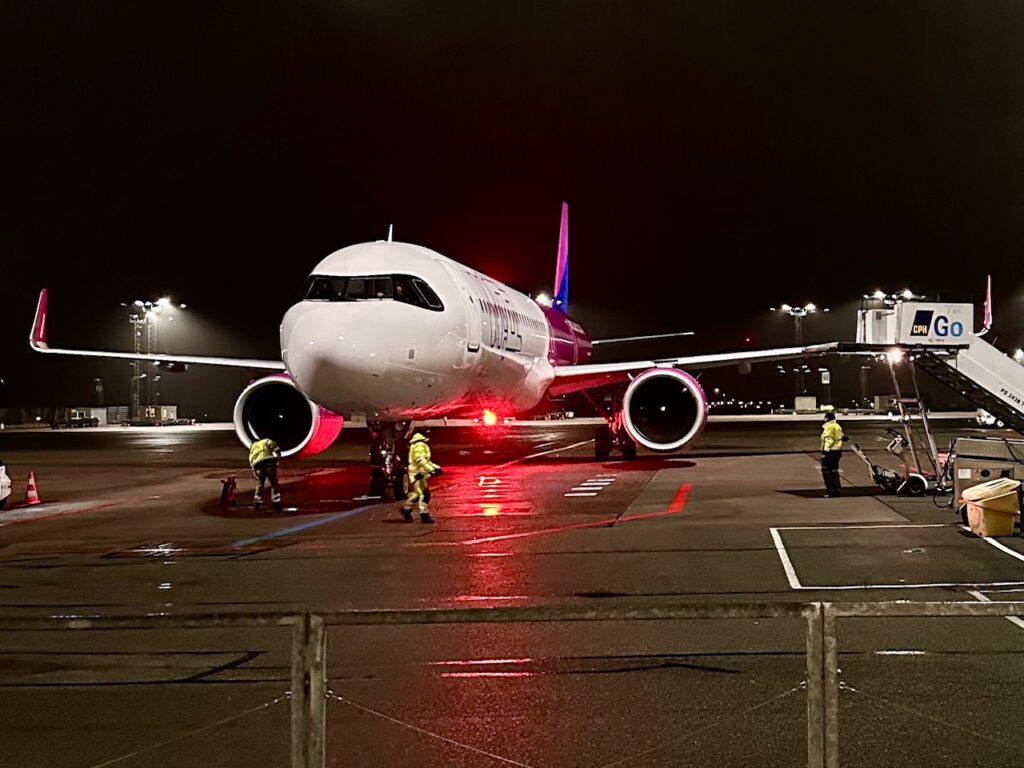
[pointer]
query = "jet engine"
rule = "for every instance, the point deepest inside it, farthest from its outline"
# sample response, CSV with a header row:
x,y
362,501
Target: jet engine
x,y
274,407
664,409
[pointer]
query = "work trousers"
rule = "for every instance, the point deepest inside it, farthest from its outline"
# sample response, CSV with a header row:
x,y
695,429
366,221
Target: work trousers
x,y
419,494
267,470
830,471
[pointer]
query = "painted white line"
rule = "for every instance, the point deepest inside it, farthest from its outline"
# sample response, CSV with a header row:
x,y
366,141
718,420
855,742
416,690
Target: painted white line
x,y
1017,621
937,584
787,564
542,453
584,488
52,509
841,527
794,582
1003,548
577,495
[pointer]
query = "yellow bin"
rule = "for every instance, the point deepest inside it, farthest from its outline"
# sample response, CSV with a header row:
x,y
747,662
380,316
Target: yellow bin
x,y
992,506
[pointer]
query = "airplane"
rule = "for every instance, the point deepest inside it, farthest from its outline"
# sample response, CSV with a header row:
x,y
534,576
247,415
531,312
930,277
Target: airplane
x,y
400,333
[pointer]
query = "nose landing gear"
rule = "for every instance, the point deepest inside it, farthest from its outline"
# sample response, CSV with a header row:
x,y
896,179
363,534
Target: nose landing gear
x,y
388,447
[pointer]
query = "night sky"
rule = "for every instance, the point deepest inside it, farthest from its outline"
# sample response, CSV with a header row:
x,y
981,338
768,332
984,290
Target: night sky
x,y
719,158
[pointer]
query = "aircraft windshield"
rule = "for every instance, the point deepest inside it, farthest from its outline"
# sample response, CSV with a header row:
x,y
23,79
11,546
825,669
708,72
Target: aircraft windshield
x,y
403,288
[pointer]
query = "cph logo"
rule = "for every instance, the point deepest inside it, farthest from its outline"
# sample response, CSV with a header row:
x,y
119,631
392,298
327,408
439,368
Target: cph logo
x,y
942,326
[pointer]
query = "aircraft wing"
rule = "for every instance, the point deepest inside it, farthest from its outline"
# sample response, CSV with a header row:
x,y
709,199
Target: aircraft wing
x,y
37,340
573,378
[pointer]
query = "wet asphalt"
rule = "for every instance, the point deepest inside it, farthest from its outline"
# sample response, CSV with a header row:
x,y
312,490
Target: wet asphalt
x,y
525,517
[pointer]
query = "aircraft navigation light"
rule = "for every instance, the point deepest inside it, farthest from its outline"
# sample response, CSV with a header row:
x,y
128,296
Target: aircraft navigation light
x,y
543,299
490,418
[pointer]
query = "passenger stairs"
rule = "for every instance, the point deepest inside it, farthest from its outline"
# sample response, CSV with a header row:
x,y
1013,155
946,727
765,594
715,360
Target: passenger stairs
x,y
983,375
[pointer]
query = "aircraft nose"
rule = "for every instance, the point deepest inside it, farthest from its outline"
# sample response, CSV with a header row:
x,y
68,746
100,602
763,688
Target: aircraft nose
x,y
323,347
305,342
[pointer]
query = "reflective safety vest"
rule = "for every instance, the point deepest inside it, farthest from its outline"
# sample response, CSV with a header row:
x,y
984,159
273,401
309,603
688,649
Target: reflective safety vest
x,y
262,450
419,460
832,436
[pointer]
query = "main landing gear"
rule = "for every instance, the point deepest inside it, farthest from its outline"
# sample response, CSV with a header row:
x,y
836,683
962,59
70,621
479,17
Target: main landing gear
x,y
612,436
389,443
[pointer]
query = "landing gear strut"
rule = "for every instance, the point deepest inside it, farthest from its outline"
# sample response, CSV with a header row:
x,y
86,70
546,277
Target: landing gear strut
x,y
388,446
612,436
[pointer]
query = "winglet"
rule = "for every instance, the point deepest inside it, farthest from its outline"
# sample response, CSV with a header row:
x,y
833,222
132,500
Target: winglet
x,y
560,300
988,308
37,340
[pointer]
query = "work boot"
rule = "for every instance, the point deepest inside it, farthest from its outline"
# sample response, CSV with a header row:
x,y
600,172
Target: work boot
x,y
425,518
407,514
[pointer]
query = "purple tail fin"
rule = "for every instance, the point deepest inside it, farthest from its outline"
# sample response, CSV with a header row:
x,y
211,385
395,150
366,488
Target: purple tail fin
x,y
561,295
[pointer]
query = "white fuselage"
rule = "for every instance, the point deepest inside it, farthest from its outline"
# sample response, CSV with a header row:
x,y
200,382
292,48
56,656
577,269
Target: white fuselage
x,y
390,360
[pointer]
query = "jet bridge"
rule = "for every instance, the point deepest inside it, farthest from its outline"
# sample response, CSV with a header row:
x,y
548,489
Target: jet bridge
x,y
938,338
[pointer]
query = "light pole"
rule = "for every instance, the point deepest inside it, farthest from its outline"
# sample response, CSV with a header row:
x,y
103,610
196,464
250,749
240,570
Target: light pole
x,y
798,314
144,318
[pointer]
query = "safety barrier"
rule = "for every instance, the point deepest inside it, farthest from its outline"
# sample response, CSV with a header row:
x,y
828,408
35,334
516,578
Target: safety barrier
x,y
309,645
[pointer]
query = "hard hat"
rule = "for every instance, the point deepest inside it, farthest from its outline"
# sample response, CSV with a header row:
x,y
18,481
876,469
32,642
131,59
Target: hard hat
x,y
419,437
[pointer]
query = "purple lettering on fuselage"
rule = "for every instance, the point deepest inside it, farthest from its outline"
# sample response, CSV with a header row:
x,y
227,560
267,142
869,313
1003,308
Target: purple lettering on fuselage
x,y
568,343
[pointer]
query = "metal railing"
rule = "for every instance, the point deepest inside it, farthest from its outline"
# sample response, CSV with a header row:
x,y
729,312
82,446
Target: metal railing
x,y
309,646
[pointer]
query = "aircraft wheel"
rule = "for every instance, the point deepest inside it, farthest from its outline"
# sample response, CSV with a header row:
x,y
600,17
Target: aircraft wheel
x,y
603,443
400,486
378,482
628,448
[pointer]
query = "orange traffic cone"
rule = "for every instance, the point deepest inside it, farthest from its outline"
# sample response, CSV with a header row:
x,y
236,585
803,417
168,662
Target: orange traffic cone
x,y
32,494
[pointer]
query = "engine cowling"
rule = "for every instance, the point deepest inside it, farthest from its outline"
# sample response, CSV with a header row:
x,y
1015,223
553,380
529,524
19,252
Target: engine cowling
x,y
664,409
274,407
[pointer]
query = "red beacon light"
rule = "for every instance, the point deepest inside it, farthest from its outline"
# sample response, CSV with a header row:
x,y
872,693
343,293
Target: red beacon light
x,y
490,418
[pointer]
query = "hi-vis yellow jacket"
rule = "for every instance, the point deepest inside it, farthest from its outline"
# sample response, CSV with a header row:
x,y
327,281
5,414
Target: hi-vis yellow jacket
x,y
262,450
831,436
419,458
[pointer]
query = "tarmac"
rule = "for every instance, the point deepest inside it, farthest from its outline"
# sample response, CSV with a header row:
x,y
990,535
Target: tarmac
x,y
131,525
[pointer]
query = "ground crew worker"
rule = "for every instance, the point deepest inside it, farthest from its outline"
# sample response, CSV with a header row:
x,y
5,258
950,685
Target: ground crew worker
x,y
832,439
263,457
420,470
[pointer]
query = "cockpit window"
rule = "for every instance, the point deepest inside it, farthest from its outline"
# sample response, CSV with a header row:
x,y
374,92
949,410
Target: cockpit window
x,y
325,288
403,288
428,295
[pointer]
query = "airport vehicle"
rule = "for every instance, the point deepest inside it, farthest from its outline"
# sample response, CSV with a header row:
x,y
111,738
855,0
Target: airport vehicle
x,y
399,332
910,483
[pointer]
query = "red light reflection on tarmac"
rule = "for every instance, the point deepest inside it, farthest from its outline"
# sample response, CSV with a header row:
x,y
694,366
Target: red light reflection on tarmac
x,y
481,663
487,674
474,662
675,506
